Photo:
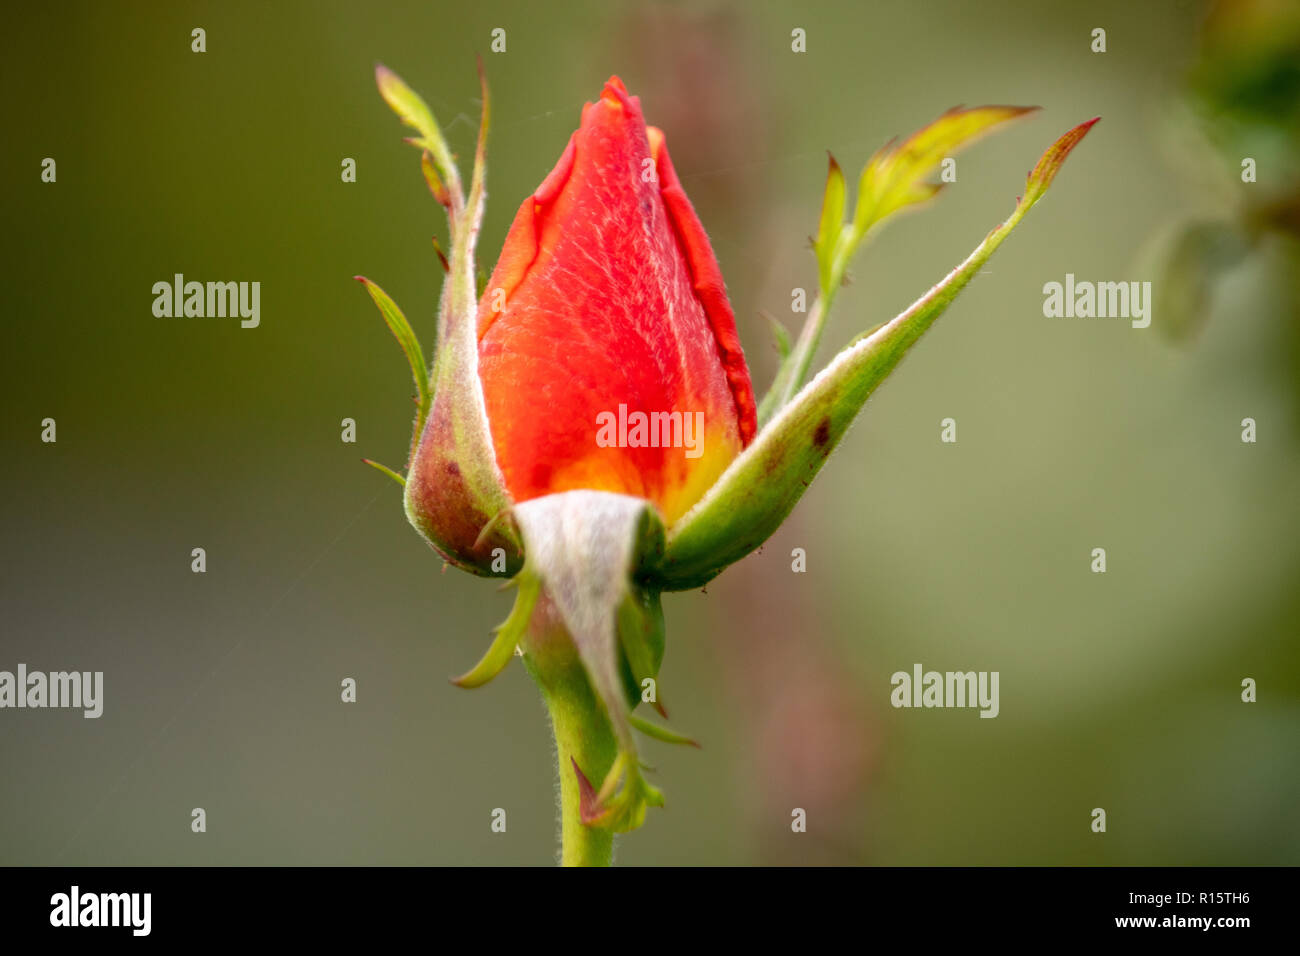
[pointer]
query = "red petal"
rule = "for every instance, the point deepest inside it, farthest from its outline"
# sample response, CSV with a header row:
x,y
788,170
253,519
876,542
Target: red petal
x,y
709,287
611,297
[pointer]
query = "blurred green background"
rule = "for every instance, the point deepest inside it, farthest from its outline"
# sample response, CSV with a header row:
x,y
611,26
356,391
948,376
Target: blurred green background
x,y
1119,691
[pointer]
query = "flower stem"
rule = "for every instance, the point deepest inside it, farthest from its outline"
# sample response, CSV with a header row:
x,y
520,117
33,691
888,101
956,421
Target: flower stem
x,y
576,739
582,732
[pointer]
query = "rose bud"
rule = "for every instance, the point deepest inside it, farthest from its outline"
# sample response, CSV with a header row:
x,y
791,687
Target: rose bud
x,y
589,428
607,306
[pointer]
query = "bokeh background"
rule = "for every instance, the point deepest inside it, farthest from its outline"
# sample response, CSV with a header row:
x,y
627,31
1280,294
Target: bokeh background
x,y
1119,691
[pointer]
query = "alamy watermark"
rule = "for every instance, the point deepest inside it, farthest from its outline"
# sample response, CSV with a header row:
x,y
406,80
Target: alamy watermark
x,y
949,689
181,299
79,690
1102,300
651,430
76,908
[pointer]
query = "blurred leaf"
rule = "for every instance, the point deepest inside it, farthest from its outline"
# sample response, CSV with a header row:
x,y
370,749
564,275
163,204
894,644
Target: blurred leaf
x,y
1249,69
1186,263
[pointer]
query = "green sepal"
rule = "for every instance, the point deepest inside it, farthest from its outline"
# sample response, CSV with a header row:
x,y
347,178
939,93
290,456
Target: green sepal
x,y
780,335
415,113
584,547
621,803
508,634
661,733
435,183
832,222
454,486
761,486
640,626
410,343
387,471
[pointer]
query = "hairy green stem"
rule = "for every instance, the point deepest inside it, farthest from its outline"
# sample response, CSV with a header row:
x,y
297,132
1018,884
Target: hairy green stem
x,y
592,747
793,372
582,732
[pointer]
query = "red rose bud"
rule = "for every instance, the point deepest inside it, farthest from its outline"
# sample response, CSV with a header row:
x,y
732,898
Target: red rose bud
x,y
608,352
598,395
604,353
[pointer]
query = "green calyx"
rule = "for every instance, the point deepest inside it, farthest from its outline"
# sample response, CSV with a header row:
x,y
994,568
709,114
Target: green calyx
x,y
593,639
